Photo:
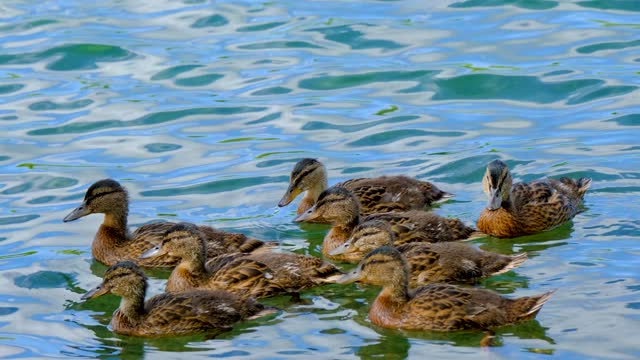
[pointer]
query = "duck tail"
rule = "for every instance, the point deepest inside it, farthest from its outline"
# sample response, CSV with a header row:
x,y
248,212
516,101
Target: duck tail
x,y
433,194
264,311
462,231
578,187
583,186
442,197
327,273
516,261
255,246
475,235
526,308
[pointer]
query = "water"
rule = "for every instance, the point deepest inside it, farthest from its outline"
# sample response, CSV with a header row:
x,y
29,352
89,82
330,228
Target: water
x,y
201,109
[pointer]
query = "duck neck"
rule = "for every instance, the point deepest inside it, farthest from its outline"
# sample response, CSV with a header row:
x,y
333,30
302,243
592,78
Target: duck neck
x,y
194,262
339,233
317,188
116,222
132,306
506,203
396,292
395,286
349,224
312,194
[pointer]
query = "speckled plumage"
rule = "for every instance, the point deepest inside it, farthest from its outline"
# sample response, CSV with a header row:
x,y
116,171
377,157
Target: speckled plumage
x,y
341,208
436,307
429,263
170,314
113,242
528,208
379,194
255,275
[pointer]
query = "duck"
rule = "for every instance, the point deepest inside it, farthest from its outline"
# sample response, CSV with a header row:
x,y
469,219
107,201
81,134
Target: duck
x,y
247,275
113,242
376,195
435,307
170,314
429,262
341,208
527,208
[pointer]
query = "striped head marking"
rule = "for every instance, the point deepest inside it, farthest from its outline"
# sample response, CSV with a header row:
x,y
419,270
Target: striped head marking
x,y
183,240
336,205
497,183
306,175
365,238
124,279
384,266
104,196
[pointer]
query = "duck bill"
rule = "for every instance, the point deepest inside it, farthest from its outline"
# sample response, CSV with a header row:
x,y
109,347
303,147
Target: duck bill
x,y
95,292
342,249
288,197
495,199
153,252
308,215
350,277
77,213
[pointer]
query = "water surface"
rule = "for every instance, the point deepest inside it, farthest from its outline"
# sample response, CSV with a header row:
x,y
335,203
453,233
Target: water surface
x,y
201,109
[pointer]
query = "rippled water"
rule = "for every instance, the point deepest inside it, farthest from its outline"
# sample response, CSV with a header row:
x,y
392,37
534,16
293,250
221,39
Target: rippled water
x,y
202,108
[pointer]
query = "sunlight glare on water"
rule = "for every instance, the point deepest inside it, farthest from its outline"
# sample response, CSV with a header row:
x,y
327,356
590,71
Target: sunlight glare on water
x,y
201,109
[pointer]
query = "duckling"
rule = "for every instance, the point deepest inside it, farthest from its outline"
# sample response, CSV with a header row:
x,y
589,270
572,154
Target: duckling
x,y
170,314
428,263
114,243
341,208
376,195
435,307
255,275
527,208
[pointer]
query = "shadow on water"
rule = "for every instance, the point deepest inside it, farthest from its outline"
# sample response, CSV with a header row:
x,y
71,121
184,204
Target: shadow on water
x,y
207,108
314,235
395,342
530,243
131,347
97,268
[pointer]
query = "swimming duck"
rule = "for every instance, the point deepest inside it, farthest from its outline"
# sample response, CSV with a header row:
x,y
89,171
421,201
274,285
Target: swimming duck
x,y
255,275
114,243
436,307
527,208
170,314
376,195
341,208
428,263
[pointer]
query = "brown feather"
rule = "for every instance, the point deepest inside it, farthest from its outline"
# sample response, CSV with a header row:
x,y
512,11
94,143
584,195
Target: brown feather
x,y
430,263
247,275
113,242
172,314
435,307
379,194
533,207
340,207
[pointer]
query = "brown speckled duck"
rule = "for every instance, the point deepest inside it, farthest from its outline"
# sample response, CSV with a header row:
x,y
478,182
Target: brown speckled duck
x,y
435,307
255,275
376,195
340,207
428,263
527,208
167,314
114,243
